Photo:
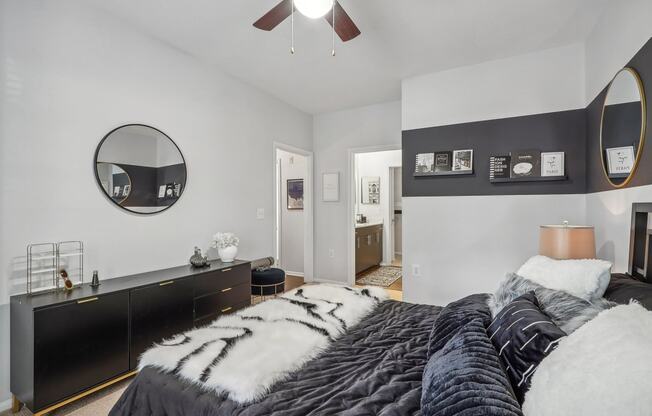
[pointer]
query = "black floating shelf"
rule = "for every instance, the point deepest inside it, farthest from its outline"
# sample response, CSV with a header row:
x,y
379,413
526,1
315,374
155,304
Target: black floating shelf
x,y
529,179
449,173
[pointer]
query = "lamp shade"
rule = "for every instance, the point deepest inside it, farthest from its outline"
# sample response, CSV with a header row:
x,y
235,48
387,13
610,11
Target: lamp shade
x,y
565,241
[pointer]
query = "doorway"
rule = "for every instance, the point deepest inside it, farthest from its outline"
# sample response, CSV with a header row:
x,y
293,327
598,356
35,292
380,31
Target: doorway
x,y
373,184
293,214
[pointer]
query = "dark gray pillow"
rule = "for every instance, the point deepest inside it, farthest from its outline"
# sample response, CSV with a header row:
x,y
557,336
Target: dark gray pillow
x,y
568,312
465,377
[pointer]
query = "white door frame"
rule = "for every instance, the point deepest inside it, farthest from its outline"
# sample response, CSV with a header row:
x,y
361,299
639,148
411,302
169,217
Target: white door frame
x,y
351,197
391,228
308,207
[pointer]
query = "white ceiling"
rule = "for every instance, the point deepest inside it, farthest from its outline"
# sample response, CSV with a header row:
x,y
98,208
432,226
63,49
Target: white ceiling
x,y
400,38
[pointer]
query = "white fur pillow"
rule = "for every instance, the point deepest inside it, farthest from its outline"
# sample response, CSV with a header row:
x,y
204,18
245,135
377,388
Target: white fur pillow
x,y
586,279
602,369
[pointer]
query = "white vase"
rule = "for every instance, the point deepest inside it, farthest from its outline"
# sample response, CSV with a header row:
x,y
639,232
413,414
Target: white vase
x,y
227,254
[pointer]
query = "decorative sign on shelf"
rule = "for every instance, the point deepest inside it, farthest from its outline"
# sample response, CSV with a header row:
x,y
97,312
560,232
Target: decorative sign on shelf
x,y
620,161
499,167
527,166
552,164
525,163
443,163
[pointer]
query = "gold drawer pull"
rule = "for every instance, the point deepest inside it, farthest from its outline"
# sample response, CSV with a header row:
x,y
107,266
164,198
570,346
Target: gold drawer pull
x,y
227,289
227,270
79,302
226,309
166,283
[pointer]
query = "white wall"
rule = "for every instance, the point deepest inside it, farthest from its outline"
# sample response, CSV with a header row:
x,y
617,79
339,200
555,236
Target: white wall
x,y
624,29
70,75
293,166
377,164
465,245
334,134
541,82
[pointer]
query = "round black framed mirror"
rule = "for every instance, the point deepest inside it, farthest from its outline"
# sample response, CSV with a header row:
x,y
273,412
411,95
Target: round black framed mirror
x,y
622,129
140,169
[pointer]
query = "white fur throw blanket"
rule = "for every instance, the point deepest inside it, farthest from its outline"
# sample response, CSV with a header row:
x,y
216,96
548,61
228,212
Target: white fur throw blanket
x,y
244,354
602,369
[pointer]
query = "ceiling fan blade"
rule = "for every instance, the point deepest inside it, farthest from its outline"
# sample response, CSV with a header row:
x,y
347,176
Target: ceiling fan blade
x,y
275,16
344,26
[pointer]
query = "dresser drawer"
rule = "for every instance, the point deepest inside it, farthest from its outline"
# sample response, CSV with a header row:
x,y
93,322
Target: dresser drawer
x,y
227,297
203,321
215,281
79,344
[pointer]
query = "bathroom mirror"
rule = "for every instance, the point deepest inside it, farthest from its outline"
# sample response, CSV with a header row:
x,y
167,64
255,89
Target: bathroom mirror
x,y
140,169
622,130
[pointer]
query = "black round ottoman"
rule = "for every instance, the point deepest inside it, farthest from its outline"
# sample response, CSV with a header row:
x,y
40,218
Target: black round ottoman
x,y
267,282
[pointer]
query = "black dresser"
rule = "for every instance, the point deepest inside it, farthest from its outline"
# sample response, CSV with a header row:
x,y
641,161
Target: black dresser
x,y
66,345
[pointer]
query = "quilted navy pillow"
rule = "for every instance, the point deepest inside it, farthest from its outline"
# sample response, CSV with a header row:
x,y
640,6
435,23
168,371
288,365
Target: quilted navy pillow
x,y
523,335
465,377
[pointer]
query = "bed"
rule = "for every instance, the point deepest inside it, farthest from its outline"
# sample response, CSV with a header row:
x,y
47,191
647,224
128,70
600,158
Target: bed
x,y
375,368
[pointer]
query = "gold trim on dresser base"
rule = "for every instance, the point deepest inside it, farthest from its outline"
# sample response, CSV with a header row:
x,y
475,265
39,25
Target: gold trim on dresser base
x,y
85,393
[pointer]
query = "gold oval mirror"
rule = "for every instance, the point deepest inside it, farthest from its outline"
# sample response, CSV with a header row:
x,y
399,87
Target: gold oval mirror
x,y
622,129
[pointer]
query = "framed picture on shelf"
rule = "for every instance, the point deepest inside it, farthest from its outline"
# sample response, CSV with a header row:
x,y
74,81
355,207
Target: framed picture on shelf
x,y
425,163
295,194
526,163
330,187
620,160
499,166
552,164
443,161
463,160
169,190
116,191
371,190
126,190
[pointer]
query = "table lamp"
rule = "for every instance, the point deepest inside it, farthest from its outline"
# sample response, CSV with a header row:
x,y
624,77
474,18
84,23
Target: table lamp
x,y
563,242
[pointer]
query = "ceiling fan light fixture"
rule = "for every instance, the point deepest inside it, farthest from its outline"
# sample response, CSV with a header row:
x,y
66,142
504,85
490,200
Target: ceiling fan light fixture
x,y
313,9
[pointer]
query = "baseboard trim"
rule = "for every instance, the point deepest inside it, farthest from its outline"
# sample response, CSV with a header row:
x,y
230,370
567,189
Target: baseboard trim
x,y
5,406
337,282
297,274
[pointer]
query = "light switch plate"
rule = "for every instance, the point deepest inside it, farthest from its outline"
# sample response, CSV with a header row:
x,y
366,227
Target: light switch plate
x,y
260,213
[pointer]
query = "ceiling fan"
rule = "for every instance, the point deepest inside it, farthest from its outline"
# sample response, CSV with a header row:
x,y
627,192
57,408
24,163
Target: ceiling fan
x,y
331,10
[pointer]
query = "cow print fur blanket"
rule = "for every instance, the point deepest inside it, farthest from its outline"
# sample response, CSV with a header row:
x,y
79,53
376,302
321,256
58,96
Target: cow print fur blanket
x,y
243,354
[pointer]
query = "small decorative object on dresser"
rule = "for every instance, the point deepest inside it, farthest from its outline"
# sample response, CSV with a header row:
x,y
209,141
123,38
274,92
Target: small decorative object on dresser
x,y
95,282
226,245
197,260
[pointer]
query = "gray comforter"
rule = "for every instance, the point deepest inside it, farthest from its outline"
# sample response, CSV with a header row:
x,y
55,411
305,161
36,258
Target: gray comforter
x,y
374,369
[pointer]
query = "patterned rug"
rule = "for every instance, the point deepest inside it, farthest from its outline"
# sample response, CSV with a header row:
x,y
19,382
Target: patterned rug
x,y
383,276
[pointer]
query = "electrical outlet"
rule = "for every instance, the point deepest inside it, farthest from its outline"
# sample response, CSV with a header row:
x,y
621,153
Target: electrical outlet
x,y
260,213
416,270
331,253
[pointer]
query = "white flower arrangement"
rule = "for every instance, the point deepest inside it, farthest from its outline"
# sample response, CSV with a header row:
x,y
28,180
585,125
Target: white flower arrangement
x,y
224,240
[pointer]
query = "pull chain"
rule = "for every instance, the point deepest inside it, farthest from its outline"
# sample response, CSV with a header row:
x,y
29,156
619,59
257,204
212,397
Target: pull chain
x,y
333,50
292,14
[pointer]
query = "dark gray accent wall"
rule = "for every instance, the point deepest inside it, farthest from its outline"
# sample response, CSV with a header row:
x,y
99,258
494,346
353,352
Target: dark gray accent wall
x,y
595,178
575,132
560,131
